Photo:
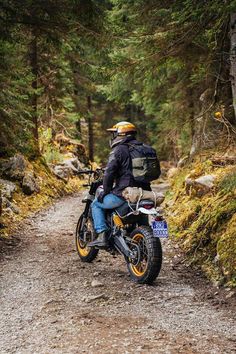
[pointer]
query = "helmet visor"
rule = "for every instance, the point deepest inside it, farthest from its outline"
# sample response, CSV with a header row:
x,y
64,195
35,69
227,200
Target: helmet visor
x,y
114,135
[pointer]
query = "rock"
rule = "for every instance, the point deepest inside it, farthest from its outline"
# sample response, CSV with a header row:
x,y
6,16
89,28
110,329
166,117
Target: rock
x,y
6,204
73,164
206,181
15,168
67,168
120,275
61,172
40,235
200,185
161,187
96,283
96,297
172,172
230,294
29,184
7,188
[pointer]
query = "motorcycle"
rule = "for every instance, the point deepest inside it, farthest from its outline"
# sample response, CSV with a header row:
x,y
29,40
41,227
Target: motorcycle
x,y
130,233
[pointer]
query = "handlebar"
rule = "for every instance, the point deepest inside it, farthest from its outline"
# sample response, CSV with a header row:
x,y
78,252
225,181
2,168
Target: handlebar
x,y
87,172
94,174
90,172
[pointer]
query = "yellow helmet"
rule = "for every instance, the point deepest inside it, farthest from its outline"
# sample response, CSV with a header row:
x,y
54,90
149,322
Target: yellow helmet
x,y
123,128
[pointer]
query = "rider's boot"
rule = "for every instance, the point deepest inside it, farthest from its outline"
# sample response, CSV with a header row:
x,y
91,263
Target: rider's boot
x,y
101,240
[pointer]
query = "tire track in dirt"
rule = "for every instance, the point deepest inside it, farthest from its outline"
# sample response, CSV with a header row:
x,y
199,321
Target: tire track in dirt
x,y
49,306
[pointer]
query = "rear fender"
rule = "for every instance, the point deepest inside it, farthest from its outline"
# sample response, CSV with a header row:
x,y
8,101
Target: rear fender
x,y
148,211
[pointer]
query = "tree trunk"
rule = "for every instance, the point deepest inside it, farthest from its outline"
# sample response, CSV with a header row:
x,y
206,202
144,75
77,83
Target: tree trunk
x,y
90,130
197,137
78,128
198,125
34,69
192,123
127,111
0,208
233,58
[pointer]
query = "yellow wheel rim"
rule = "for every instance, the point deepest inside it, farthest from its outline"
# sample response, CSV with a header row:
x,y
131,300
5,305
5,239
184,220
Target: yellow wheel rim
x,y
139,269
82,249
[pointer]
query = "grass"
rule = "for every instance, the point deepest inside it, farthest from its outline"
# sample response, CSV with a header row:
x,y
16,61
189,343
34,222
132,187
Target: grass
x,y
228,183
205,227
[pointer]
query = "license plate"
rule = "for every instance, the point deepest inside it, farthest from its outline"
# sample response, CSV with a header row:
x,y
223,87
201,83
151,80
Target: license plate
x,y
160,229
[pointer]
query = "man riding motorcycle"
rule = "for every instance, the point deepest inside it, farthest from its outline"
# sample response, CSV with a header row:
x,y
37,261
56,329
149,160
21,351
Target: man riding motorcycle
x,y
118,175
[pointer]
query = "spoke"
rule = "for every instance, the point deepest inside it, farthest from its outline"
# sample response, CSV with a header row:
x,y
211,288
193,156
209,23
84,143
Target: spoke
x,y
141,244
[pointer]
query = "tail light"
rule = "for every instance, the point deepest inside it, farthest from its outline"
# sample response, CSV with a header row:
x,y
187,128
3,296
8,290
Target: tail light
x,y
147,206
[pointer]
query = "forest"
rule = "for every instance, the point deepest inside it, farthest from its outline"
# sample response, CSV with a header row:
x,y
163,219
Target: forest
x,y
69,70
77,66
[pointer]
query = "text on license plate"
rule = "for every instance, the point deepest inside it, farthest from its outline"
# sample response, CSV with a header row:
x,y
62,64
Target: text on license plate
x,y
160,229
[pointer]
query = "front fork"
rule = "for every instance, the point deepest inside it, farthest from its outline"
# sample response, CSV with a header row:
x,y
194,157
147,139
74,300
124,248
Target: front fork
x,y
85,216
87,208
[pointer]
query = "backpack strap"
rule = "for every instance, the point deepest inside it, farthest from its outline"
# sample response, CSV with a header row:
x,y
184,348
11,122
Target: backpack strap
x,y
132,145
135,148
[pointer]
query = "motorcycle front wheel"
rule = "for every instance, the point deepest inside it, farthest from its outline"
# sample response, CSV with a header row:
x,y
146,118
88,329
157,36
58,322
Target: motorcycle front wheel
x,y
146,265
86,254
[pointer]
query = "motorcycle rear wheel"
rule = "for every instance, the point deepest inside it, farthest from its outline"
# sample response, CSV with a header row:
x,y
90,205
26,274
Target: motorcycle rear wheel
x,y
149,256
86,254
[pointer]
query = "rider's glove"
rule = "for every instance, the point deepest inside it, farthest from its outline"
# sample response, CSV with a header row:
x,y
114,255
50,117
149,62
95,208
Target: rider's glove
x,y
101,196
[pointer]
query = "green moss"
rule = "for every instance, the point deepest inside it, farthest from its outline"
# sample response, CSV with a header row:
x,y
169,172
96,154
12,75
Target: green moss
x,y
205,227
228,183
50,188
226,249
52,155
178,181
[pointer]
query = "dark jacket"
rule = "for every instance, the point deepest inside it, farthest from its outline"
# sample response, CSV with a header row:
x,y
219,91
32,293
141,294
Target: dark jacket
x,y
118,174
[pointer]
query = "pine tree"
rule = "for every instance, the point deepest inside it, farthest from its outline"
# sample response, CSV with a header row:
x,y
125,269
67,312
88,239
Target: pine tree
x,y
172,62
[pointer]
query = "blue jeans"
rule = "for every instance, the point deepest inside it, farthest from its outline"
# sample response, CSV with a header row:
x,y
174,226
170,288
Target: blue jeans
x,y
110,201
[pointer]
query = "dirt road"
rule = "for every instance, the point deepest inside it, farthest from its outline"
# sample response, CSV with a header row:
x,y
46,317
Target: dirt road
x,y
48,303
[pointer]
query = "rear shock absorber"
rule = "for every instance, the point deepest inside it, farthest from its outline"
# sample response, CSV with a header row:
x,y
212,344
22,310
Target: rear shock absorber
x,y
117,221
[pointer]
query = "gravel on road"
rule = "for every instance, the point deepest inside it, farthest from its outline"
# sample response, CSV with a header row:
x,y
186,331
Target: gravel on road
x,y
50,302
